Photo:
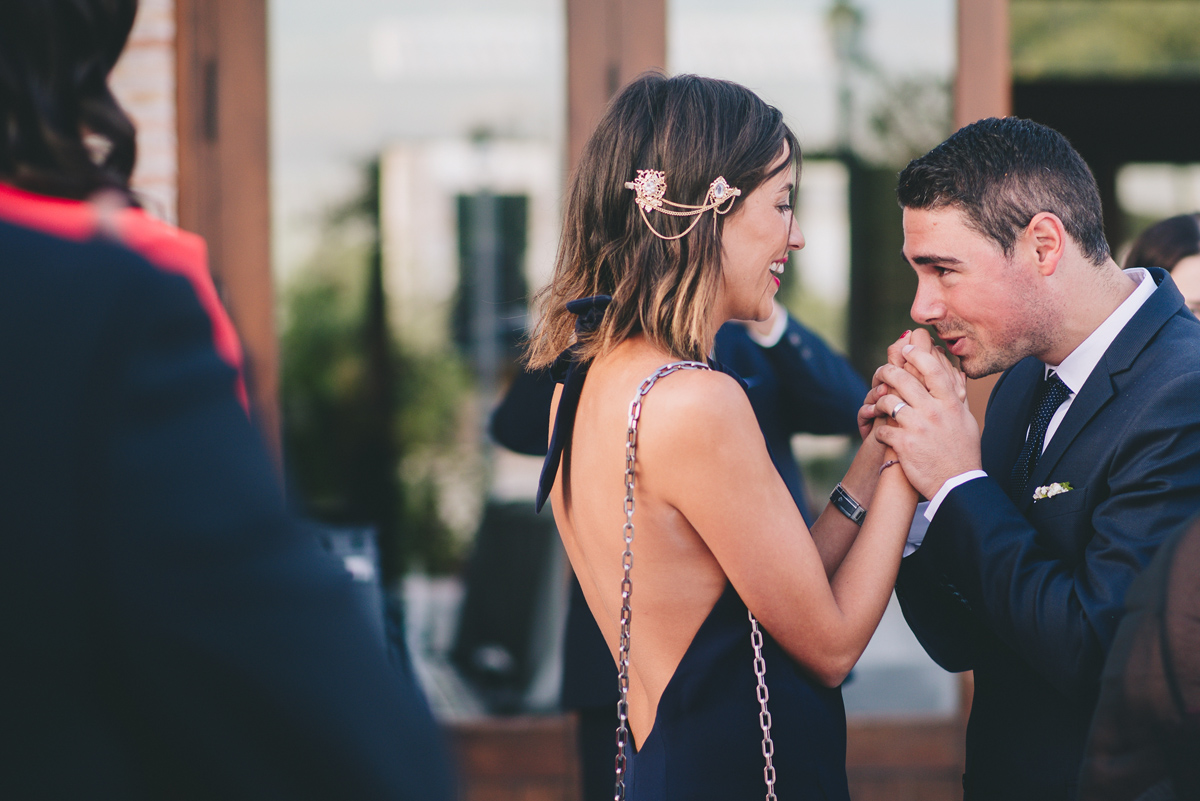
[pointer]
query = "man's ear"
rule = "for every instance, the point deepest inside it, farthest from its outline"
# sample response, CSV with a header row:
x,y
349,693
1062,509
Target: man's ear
x,y
1046,239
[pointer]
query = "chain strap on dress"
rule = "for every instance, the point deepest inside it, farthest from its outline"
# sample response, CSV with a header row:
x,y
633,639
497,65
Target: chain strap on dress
x,y
764,716
760,665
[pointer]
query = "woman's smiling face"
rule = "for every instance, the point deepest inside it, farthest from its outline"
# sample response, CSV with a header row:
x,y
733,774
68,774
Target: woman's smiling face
x,y
755,243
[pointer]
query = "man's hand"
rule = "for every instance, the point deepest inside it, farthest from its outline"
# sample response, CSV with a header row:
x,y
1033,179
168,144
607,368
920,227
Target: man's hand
x,y
934,432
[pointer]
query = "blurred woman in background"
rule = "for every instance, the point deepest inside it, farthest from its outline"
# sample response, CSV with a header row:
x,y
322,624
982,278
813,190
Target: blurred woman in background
x,y
1174,245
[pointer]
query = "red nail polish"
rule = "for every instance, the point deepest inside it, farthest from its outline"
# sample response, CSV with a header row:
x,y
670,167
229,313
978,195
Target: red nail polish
x,y
906,333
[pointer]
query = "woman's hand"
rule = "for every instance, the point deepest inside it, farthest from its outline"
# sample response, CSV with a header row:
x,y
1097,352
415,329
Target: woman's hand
x,y
868,415
891,459
957,378
900,354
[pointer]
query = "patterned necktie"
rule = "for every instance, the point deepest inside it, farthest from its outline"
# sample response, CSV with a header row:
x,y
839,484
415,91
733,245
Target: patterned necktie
x,y
1050,396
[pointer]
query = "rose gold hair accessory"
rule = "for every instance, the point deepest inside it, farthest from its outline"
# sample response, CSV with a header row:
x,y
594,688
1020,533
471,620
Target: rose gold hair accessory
x,y
651,186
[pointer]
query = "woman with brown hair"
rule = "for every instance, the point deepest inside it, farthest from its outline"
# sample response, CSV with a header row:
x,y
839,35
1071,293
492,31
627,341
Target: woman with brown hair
x,y
678,219
1174,245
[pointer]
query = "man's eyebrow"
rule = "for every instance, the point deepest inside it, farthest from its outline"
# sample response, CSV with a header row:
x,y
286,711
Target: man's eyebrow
x,y
932,259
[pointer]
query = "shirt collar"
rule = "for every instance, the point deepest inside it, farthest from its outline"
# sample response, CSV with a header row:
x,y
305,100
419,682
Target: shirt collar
x,y
1078,365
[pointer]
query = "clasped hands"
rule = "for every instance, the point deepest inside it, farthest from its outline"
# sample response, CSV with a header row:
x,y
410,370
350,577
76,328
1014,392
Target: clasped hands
x,y
917,406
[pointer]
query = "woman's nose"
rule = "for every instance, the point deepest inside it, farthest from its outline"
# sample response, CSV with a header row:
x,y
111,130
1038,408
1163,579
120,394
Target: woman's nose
x,y
795,235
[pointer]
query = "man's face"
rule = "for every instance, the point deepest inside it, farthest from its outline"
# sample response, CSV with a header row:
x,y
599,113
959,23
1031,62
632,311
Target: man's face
x,y
989,309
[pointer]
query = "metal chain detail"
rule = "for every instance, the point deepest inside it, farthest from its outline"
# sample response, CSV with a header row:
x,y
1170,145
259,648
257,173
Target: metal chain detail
x,y
764,717
635,414
756,639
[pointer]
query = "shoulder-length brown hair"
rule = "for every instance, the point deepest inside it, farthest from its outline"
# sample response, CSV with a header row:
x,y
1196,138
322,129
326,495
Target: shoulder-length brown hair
x,y
1166,243
694,130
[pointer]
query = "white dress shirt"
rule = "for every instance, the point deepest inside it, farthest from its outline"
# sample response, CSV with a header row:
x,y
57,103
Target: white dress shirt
x,y
1074,372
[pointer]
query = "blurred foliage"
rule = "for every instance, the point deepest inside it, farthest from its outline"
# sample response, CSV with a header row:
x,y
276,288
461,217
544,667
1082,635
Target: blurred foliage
x,y
1105,38
890,119
909,117
355,405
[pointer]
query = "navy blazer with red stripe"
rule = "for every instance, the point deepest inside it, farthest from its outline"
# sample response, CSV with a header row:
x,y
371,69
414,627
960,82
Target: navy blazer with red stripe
x,y
167,630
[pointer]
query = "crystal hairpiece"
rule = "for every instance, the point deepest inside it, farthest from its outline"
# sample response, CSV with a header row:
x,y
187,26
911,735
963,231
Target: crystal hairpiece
x,y
651,186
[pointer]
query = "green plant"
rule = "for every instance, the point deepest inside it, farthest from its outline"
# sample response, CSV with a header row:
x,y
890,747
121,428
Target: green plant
x,y
356,407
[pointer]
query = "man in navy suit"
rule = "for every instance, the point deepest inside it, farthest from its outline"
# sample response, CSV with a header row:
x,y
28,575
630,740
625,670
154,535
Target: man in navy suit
x,y
1089,456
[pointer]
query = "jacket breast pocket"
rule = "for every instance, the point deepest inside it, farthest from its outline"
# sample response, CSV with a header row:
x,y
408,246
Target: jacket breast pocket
x,y
1055,506
1063,522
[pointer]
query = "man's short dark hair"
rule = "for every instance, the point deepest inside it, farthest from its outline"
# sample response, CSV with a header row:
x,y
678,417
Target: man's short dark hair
x,y
1001,172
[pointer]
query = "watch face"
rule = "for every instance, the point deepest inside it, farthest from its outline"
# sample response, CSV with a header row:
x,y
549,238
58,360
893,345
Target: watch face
x,y
847,505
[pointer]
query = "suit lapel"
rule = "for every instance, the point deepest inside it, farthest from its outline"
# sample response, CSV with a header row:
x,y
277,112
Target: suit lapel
x,y
1100,385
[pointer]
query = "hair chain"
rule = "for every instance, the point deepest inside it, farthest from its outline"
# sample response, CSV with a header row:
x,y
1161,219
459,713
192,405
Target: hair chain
x,y
651,189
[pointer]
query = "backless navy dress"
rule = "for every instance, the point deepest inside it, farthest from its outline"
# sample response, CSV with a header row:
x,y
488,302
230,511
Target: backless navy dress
x,y
706,742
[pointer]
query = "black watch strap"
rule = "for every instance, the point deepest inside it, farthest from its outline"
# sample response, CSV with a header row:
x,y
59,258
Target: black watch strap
x,y
847,505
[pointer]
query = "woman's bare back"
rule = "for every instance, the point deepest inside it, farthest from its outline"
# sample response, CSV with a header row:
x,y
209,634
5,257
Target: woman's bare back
x,y
711,509
676,578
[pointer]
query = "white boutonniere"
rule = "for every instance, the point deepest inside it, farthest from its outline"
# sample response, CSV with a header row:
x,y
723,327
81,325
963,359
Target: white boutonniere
x,y
1050,490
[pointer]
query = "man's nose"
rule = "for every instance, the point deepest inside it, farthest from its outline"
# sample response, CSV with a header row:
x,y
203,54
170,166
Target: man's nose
x,y
927,306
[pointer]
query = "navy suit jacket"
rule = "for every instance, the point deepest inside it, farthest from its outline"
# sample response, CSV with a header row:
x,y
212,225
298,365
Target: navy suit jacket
x,y
1028,594
167,631
798,385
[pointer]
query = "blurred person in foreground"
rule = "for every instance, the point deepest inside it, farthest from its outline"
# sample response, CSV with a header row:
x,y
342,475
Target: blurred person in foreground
x,y
1145,739
1174,245
168,631
1090,454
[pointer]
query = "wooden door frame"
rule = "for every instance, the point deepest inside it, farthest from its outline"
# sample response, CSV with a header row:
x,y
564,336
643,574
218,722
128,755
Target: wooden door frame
x,y
982,88
224,175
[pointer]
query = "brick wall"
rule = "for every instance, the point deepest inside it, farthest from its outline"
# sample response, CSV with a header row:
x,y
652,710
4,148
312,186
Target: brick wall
x,y
144,83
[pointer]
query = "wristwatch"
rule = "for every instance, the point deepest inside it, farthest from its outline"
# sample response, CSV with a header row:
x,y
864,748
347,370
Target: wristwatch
x,y
847,505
